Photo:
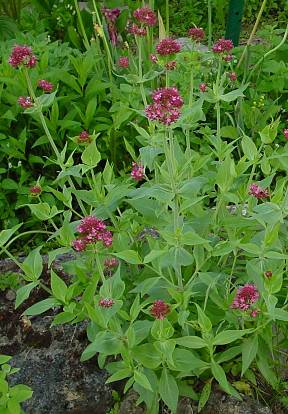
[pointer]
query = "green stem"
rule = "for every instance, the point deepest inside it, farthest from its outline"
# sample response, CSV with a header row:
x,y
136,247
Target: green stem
x,y
11,257
252,33
209,24
167,18
191,88
44,287
99,267
86,41
218,115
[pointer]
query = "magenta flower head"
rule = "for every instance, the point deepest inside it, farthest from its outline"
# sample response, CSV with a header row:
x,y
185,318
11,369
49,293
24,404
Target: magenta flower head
x,y
45,85
25,102
256,191
196,33
35,190
268,274
203,87
232,76
285,132
159,309
228,58
92,230
123,62
223,46
168,96
84,137
245,297
137,172
111,15
136,30
254,313
168,47
22,55
106,303
111,263
170,65
146,16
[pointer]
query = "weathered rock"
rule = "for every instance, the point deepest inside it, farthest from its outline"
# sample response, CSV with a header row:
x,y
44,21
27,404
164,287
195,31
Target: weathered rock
x,y
128,405
230,405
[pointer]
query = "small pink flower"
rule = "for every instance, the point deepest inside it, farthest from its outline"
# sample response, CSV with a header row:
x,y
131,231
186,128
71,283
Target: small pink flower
x,y
25,102
171,65
285,132
168,96
35,190
159,309
196,33
123,62
93,230
22,55
232,76
106,303
137,172
111,263
45,85
84,137
203,87
258,192
136,30
145,15
254,313
153,58
161,113
222,46
228,58
168,47
79,244
268,274
245,297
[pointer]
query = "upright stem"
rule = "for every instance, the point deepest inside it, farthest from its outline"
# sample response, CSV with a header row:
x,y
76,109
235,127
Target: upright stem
x,y
218,114
253,32
167,18
99,267
209,24
86,41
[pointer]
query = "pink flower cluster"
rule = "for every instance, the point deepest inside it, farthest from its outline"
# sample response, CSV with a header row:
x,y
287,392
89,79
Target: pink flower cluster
x,y
171,65
25,102
168,47
203,87
45,85
92,230
111,263
123,62
136,30
137,172
165,106
285,132
223,46
111,15
232,76
258,192
145,15
245,297
106,303
159,309
196,33
154,59
22,55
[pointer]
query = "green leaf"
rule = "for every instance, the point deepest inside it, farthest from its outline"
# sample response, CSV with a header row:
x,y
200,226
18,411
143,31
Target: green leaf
x,y
226,337
91,156
4,359
6,234
43,211
204,396
269,133
249,148
203,320
193,342
147,355
186,361
20,393
46,99
33,265
168,390
41,307
249,352
119,375
106,343
129,256
231,96
153,255
220,376
280,314
191,239
142,380
58,286
23,293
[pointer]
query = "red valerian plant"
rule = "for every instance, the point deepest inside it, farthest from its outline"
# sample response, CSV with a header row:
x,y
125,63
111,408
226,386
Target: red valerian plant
x,y
22,55
25,102
92,230
203,87
223,46
106,303
45,85
35,190
165,106
123,62
137,172
246,296
196,33
160,309
136,30
84,137
258,192
168,47
145,16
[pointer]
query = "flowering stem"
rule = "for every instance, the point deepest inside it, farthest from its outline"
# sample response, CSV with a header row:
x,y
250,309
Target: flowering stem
x,y
86,41
99,267
218,114
191,88
167,18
